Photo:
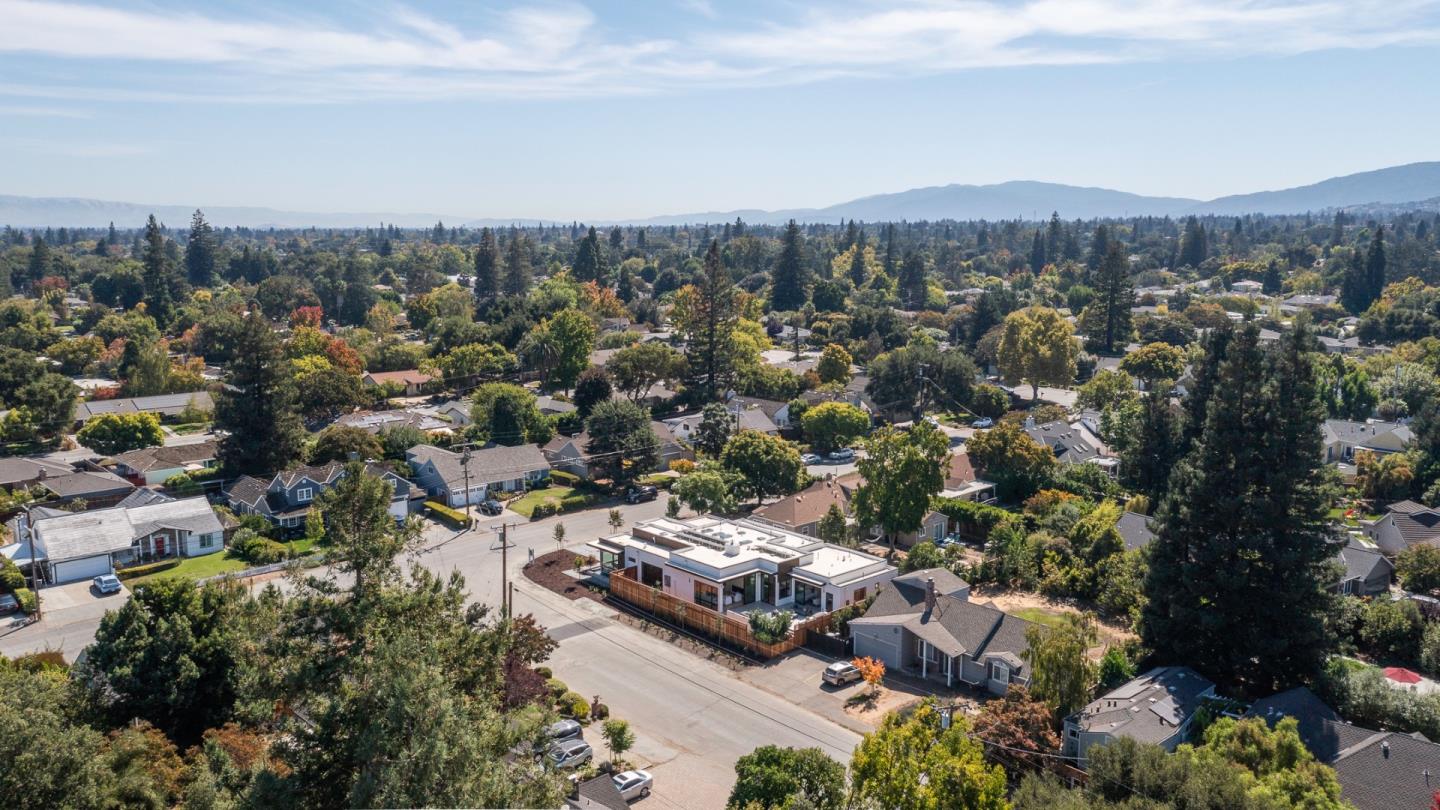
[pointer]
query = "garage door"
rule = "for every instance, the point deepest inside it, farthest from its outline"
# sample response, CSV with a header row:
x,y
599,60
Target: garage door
x,y
85,568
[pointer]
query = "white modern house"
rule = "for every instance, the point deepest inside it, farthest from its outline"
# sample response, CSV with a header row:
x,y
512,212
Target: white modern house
x,y
69,547
743,565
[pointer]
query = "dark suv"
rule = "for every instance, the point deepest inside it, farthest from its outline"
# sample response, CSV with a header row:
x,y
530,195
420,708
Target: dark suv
x,y
641,493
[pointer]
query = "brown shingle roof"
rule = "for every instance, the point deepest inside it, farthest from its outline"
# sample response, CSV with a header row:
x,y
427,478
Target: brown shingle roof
x,y
806,506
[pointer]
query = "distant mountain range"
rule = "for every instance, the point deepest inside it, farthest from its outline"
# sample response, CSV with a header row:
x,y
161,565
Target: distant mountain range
x,y
1026,199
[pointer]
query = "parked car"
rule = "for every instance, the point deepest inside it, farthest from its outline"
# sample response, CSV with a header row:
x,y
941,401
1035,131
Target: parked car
x,y
843,454
810,458
570,754
106,583
840,673
8,603
564,730
491,507
644,492
983,422
633,784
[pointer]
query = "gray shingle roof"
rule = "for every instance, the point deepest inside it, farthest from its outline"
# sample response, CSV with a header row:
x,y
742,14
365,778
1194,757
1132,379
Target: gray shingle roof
x,y
87,484
487,464
1361,562
1149,708
956,626
1069,444
1135,530
18,470
166,404
151,458
100,531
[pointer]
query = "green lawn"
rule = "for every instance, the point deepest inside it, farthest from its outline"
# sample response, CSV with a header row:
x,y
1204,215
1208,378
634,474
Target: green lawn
x,y
196,568
1038,615
193,427
527,502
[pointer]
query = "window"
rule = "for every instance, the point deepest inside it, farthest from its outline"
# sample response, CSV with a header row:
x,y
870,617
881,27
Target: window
x,y
829,602
1073,733
207,540
667,581
304,494
707,596
859,595
1000,672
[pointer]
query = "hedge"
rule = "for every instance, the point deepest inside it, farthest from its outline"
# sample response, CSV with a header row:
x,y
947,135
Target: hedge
x,y
975,519
568,479
150,568
453,518
659,480
26,598
559,506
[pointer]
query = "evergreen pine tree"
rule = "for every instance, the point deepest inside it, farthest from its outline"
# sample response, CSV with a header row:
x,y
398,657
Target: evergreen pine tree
x,y
1106,321
1204,376
859,273
1155,449
1193,247
1099,246
617,240
1037,253
157,275
517,264
200,252
890,250
1355,292
1272,281
912,280
487,266
709,344
1241,570
1375,265
1054,237
788,283
38,266
589,264
256,409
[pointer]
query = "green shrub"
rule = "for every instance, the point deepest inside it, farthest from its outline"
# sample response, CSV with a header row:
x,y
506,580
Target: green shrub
x,y
557,687
544,672
257,550
453,518
658,480
580,708
564,478
10,577
26,598
770,628
145,570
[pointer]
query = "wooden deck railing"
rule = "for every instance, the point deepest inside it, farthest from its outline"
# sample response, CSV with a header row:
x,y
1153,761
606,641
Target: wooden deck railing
x,y
729,628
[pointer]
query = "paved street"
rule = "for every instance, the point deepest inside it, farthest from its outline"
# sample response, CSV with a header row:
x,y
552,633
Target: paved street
x,y
693,718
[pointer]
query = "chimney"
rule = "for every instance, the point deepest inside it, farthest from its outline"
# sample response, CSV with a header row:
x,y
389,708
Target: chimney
x,y
1385,749
929,593
44,473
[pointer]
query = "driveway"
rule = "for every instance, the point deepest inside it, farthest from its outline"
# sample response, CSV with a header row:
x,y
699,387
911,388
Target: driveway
x,y
69,614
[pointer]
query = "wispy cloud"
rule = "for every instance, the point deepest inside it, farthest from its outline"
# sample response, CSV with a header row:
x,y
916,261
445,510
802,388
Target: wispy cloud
x,y
73,149
20,111
566,50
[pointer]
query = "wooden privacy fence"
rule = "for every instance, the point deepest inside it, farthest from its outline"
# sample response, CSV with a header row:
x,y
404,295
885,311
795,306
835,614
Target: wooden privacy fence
x,y
728,628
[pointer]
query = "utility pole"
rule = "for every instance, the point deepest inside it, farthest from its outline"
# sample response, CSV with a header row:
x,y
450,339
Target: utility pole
x,y
465,468
506,587
34,572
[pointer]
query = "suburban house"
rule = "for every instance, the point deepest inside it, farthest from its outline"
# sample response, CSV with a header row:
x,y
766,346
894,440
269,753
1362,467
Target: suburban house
x,y
449,477
413,381
1157,707
165,406
90,483
286,498
961,481
24,473
801,512
74,546
933,525
1135,530
1377,770
156,465
740,565
1247,286
376,421
1367,571
457,411
742,417
569,453
1073,444
926,625
1407,523
1343,437
548,405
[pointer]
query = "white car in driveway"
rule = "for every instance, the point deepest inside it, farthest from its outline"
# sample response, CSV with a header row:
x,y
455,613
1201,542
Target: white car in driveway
x,y
633,784
570,754
106,584
840,673
843,454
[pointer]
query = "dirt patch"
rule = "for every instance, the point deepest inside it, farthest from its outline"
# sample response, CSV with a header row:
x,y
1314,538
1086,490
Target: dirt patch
x,y
684,641
1019,601
872,710
552,572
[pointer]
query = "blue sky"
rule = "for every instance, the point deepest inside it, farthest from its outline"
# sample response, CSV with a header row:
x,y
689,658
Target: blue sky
x,y
623,109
